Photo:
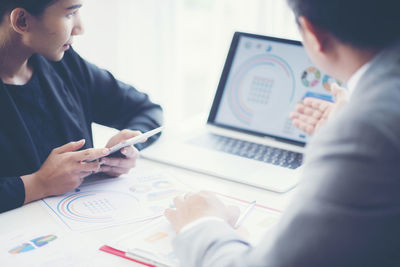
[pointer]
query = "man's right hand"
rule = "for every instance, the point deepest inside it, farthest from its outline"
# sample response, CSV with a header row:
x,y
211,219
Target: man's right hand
x,y
64,170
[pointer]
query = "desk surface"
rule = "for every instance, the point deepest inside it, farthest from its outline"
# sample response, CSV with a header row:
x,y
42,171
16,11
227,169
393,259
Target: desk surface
x,y
36,214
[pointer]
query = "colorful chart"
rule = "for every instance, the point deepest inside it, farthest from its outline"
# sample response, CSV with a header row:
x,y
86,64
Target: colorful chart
x,y
44,240
97,206
254,83
155,188
111,202
327,81
311,77
33,244
22,249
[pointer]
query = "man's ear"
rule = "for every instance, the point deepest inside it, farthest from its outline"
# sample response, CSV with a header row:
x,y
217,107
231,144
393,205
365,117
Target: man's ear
x,y
316,37
19,19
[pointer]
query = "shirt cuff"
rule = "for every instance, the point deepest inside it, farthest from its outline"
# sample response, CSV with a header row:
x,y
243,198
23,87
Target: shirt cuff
x,y
12,193
199,221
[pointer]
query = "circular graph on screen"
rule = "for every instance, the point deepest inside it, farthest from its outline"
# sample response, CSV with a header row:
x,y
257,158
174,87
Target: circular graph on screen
x,y
311,77
327,81
259,81
97,206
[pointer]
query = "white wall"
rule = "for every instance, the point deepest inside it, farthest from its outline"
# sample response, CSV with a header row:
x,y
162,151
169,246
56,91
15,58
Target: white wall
x,y
174,50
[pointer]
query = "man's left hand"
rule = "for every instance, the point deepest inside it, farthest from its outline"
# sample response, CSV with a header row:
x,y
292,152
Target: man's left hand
x,y
116,166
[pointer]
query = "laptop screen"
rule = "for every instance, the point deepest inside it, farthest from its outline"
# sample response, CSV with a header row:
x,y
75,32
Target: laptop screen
x,y
262,81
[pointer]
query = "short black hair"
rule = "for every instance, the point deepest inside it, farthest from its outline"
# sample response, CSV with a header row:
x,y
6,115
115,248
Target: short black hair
x,y
370,24
34,7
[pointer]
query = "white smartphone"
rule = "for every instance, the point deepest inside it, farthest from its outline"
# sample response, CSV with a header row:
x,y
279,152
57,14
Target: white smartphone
x,y
132,141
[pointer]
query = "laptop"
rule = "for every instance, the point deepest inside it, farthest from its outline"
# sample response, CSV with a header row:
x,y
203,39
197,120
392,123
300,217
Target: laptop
x,y
249,137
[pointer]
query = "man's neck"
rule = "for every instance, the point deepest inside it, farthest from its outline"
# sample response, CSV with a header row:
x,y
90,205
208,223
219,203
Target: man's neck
x,y
352,59
14,68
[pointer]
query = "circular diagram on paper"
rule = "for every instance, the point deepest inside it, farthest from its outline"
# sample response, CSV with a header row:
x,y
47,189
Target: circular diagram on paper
x,y
97,206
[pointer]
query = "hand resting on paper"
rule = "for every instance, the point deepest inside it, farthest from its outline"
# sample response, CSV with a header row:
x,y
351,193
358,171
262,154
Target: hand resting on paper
x,y
194,206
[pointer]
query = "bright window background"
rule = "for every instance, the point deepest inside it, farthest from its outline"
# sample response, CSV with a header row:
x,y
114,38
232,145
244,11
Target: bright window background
x,y
174,50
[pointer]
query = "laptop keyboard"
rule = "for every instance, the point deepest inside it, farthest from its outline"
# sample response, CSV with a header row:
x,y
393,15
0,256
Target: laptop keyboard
x,y
267,154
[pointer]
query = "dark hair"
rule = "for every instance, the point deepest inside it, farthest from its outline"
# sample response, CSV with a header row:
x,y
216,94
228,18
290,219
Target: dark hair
x,y
370,24
34,7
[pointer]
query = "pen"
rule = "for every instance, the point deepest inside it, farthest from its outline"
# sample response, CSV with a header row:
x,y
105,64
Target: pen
x,y
145,257
244,214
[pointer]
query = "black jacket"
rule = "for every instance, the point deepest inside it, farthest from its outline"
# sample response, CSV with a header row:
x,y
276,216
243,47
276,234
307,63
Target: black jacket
x,y
82,93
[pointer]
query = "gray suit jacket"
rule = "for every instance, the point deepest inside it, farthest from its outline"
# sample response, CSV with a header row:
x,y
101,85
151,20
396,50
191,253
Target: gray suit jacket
x,y
347,208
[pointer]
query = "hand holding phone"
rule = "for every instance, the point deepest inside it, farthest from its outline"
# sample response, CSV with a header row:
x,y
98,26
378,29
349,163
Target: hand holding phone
x,y
133,140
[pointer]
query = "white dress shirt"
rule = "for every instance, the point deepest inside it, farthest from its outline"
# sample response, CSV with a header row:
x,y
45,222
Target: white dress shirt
x,y
356,77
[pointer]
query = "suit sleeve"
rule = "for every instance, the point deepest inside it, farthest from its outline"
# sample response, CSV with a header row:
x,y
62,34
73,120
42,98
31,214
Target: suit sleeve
x,y
114,103
12,193
346,211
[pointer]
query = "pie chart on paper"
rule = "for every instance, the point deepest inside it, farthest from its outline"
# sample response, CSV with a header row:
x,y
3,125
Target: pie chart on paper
x,y
33,244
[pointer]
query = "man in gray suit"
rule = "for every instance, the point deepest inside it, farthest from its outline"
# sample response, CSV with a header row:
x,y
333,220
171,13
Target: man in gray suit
x,y
347,208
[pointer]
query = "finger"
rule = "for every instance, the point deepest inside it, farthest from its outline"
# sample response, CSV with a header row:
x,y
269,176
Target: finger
x,y
187,195
311,112
337,89
172,217
91,154
178,202
325,105
170,214
309,120
294,115
71,146
130,152
89,167
300,107
339,92
126,163
309,129
316,103
127,134
233,214
301,125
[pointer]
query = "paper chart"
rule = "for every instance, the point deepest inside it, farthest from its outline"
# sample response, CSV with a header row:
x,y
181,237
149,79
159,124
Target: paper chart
x,y
115,201
154,240
43,246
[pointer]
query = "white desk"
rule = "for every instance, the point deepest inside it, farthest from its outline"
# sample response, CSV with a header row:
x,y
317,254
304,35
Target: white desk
x,y
35,213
